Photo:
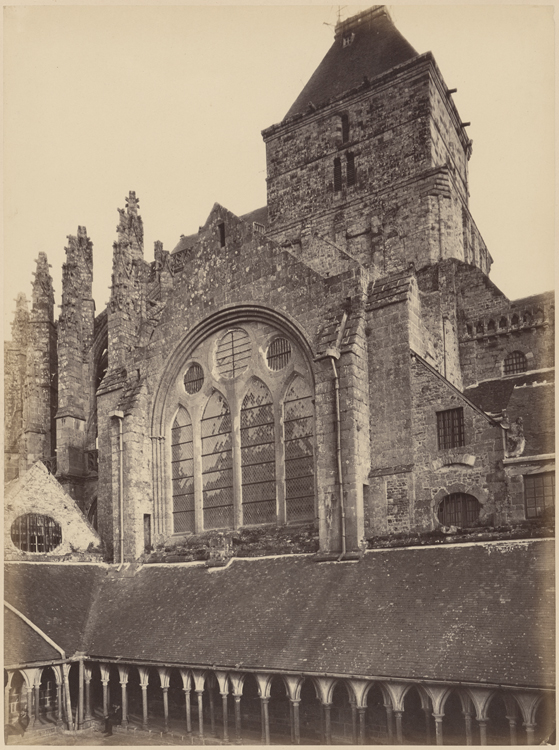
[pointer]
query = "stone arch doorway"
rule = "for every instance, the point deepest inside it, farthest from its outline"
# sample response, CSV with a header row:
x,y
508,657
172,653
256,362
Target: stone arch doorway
x,y
545,721
376,720
279,712
417,723
47,695
17,697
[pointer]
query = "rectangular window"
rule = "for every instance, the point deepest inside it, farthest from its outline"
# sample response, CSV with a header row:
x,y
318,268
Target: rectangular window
x,y
345,128
222,235
337,175
450,428
350,169
539,493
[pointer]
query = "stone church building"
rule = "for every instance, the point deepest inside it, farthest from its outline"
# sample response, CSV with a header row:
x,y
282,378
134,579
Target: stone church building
x,y
296,482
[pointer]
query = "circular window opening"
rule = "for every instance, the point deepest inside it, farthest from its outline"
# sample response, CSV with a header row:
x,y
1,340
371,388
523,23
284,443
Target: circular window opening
x,y
459,509
36,533
233,353
278,354
193,379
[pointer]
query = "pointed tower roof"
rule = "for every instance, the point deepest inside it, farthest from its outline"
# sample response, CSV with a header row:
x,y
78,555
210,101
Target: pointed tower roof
x,y
365,45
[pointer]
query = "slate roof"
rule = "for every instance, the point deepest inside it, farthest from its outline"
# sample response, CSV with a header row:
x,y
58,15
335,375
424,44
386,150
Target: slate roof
x,y
494,395
55,597
23,645
377,47
473,613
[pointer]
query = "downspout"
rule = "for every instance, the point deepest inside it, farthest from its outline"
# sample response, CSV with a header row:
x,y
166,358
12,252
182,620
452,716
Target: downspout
x,y
333,356
117,414
444,345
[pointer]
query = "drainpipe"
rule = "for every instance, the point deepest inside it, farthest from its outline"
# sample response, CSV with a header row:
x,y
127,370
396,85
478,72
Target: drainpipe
x,y
333,356
444,318
117,414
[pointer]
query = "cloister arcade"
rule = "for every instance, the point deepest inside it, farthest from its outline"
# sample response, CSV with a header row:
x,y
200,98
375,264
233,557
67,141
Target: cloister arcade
x,y
236,706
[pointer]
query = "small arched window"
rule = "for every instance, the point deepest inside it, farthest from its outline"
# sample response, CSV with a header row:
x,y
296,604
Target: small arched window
x,y
514,320
515,362
480,328
459,509
35,532
491,326
503,322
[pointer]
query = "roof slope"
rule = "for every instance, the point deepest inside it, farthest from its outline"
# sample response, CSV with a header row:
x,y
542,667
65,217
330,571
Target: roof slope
x,y
22,644
480,613
377,46
55,597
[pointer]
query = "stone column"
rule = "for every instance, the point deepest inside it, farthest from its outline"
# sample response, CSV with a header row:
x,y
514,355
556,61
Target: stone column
x,y
295,725
166,707
265,721
124,700
144,707
530,734
390,723
36,700
238,739
399,736
187,709
80,693
225,717
439,728
483,731
353,723
327,725
361,711
200,693
87,680
468,723
427,713
512,727
105,684
59,720
7,699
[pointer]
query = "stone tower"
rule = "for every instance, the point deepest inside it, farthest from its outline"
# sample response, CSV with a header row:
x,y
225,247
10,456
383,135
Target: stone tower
x,y
371,161
15,356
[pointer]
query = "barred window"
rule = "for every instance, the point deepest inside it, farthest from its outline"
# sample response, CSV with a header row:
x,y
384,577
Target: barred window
x,y
450,428
258,455
459,509
351,176
515,362
278,354
182,467
243,455
539,493
34,532
337,175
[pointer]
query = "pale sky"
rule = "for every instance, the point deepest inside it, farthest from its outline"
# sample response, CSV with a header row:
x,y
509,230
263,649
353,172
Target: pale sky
x,y
170,101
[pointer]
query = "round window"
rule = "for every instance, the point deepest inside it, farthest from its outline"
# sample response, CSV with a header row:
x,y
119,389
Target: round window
x,y
193,378
233,353
34,532
278,354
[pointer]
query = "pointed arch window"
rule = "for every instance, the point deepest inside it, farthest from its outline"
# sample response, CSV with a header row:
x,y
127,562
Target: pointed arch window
x,y
182,466
258,456
298,445
217,464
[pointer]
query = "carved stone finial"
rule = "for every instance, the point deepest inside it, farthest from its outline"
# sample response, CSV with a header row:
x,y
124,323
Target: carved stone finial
x,y
20,323
42,289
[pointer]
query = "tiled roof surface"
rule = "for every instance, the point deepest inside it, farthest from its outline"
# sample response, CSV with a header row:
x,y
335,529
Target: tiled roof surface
x,y
494,395
56,598
377,47
22,644
480,613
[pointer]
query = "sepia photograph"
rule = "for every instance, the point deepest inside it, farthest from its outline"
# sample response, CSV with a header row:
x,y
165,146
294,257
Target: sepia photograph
x,y
279,323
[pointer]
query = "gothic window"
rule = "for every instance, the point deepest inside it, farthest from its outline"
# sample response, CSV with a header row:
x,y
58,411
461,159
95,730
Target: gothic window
x,y
34,532
242,434
515,362
503,322
337,175
350,169
450,428
182,466
491,326
298,442
539,493
217,464
514,320
258,456
459,509
479,328
345,128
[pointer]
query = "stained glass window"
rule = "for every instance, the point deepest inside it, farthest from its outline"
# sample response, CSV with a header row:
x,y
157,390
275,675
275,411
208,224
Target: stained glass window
x,y
182,465
258,455
217,464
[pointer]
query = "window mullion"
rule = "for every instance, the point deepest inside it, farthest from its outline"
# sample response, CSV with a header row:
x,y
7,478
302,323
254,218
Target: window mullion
x,y
198,480
235,407
280,465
